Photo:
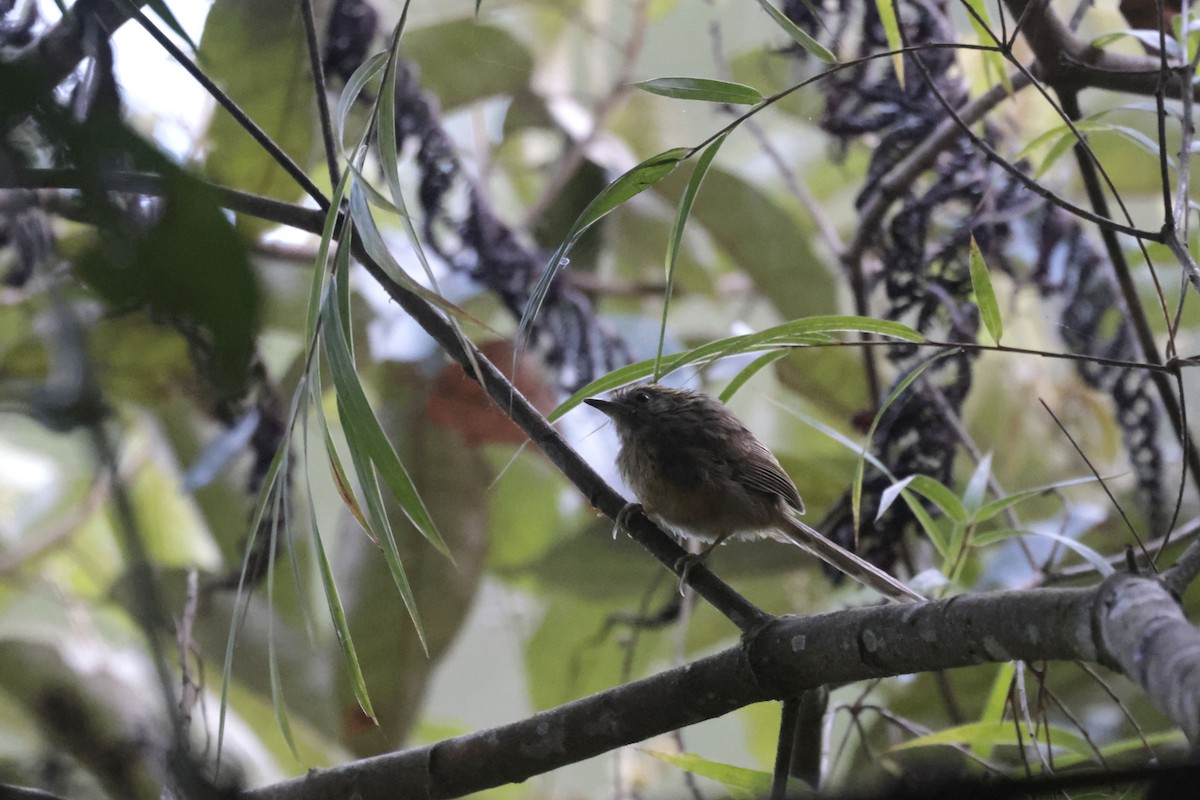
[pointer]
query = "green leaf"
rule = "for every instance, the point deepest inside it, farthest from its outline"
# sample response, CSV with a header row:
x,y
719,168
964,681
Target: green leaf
x,y
985,295
796,333
276,681
702,89
748,372
1091,556
628,185
997,701
891,29
350,94
676,239
361,419
798,34
255,50
746,782
337,614
938,494
996,506
1171,737
991,734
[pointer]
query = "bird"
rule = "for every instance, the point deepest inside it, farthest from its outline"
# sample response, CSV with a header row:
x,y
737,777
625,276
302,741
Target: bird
x,y
699,472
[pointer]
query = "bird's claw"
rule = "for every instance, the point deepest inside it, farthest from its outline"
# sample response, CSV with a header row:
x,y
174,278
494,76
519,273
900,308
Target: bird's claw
x,y
685,564
622,521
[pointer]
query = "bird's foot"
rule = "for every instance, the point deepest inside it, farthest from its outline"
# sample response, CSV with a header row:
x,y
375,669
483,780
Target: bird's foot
x,y
622,521
685,564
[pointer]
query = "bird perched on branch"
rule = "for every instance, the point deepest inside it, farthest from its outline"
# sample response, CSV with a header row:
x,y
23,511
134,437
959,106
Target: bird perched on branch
x,y
699,472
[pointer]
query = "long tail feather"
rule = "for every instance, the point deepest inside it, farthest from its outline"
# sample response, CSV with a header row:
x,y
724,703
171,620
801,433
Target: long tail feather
x,y
849,564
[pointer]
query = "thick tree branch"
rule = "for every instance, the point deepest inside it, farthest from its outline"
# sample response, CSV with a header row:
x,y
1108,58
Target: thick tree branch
x,y
1128,622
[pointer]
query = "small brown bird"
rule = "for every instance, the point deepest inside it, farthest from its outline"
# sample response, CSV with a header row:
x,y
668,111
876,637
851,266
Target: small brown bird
x,y
698,471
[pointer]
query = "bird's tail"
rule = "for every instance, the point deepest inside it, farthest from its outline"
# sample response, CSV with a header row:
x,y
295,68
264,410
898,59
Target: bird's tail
x,y
847,563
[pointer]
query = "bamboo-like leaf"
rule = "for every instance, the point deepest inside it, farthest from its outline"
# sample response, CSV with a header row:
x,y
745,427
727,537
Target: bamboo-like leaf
x,y
985,295
361,419
997,701
337,613
891,29
276,681
676,239
749,371
363,75
702,89
628,185
941,496
1091,556
996,506
991,734
266,493
797,333
746,782
1173,737
380,527
798,34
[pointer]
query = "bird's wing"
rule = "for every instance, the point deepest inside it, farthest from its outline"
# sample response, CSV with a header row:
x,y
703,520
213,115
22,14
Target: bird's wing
x,y
762,472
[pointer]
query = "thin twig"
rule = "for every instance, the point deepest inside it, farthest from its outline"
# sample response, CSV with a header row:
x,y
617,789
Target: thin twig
x,y
317,69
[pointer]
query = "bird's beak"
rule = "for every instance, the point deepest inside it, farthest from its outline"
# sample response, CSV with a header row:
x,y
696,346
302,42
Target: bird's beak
x,y
604,406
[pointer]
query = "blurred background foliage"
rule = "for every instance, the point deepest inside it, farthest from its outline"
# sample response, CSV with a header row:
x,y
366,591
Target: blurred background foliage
x,y
535,608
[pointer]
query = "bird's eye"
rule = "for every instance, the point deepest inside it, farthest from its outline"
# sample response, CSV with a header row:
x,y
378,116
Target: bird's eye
x,y
642,397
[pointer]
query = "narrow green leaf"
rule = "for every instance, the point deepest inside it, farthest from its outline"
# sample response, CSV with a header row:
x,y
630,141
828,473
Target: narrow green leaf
x,y
320,270
997,701
748,372
676,238
265,495
1091,556
937,537
751,782
797,333
996,506
985,295
360,416
377,249
702,89
380,527
856,488
891,29
941,496
276,681
991,734
798,34
353,90
340,626
389,150
1172,738
628,185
